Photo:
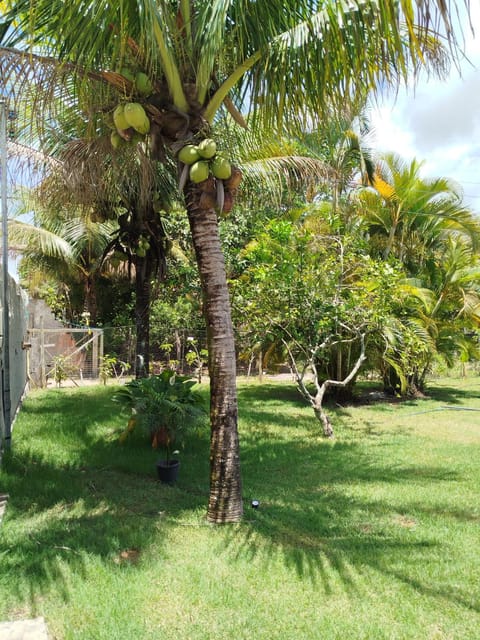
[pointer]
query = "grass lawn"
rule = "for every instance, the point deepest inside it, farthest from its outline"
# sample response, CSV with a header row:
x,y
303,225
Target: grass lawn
x,y
375,535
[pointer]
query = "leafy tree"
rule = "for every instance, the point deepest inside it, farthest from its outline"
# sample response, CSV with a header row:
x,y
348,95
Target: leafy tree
x,y
313,294
298,59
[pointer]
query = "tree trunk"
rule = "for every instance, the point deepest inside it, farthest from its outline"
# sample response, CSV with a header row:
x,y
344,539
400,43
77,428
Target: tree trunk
x,y
322,416
142,317
225,503
90,302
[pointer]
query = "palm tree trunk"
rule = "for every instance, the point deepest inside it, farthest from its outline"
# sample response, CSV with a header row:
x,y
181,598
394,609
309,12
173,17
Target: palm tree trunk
x,y
225,502
90,302
142,317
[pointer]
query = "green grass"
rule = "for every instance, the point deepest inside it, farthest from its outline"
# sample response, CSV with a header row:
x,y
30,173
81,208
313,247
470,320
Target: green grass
x,y
375,535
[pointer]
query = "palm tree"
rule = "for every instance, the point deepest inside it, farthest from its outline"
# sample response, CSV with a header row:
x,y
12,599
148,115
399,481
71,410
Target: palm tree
x,y
65,245
201,57
131,190
423,224
408,215
124,187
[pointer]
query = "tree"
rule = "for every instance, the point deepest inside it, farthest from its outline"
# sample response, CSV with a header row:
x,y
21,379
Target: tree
x,y
64,246
298,59
314,294
424,225
134,192
408,216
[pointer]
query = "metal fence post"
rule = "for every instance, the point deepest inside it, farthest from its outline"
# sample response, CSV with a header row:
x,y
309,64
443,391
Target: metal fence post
x,y
6,397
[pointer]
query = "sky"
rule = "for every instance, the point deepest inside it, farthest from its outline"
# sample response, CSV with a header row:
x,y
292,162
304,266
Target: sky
x,y
438,122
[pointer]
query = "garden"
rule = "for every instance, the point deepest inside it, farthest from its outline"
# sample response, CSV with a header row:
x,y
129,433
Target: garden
x,y
196,183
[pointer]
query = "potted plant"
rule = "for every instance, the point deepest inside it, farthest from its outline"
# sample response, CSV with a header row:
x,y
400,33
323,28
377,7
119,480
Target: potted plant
x,y
165,406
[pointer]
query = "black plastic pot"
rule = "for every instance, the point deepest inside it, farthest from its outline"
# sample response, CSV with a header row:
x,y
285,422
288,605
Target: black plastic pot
x,y
167,470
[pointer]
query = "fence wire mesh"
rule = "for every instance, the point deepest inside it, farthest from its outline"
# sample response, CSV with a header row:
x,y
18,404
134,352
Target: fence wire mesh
x,y
59,354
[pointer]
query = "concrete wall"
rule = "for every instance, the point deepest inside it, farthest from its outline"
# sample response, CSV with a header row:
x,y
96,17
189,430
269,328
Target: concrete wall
x,y
17,307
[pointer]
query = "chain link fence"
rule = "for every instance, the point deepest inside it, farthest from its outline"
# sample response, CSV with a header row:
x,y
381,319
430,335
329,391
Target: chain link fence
x,y
77,355
64,353
183,350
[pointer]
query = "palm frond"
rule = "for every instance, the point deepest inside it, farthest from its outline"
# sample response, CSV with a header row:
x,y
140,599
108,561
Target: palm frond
x,y
28,238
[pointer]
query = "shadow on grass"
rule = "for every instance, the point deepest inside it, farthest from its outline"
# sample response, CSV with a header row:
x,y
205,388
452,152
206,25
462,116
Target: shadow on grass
x,y
101,499
328,535
271,393
75,492
453,395
310,513
65,514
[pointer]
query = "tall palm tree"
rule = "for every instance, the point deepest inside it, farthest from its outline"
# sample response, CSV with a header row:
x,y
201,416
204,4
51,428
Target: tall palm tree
x,y
296,57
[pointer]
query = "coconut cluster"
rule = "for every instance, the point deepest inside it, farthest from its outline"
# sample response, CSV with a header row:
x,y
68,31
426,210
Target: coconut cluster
x,y
130,121
143,245
204,159
216,178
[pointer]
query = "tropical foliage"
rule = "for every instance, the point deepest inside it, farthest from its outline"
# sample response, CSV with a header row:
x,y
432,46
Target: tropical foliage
x,y
424,225
296,59
164,406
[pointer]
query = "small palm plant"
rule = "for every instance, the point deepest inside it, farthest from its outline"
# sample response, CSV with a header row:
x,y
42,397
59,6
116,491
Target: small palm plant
x,y
165,406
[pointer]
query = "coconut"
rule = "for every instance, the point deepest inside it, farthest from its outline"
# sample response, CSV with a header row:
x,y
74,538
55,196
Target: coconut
x,y
136,117
115,139
144,128
189,154
143,85
207,148
221,168
199,171
119,118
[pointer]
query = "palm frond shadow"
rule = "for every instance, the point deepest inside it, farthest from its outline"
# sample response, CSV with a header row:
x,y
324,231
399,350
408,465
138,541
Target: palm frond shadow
x,y
311,519
326,535
80,512
106,499
101,501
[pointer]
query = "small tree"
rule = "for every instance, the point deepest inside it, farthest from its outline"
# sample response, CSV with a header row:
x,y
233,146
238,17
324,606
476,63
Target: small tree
x,y
196,357
308,358
111,366
315,296
62,369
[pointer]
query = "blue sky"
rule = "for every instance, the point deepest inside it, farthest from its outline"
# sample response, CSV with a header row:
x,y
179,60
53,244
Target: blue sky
x,y
438,122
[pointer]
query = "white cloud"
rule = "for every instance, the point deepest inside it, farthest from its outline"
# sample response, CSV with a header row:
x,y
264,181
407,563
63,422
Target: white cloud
x,y
439,122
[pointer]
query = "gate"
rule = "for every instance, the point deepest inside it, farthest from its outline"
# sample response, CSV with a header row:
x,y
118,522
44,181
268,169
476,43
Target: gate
x,y
64,354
